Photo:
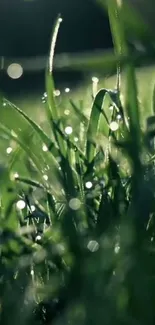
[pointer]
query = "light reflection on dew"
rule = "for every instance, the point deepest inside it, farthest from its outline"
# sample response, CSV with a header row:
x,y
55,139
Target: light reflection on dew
x,y
117,249
45,177
44,148
16,175
111,108
38,238
45,95
67,112
4,104
67,90
68,130
75,204
114,126
56,93
89,185
60,20
14,134
9,150
20,205
93,246
119,117
76,139
95,79
33,208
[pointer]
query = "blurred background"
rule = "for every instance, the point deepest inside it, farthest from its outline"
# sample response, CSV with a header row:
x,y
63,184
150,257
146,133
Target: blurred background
x,y
25,33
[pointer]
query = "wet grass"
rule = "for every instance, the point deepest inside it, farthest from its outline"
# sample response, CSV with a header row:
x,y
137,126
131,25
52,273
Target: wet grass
x,y
77,204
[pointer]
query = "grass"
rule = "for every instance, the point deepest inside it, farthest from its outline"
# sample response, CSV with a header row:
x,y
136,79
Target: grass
x,y
77,206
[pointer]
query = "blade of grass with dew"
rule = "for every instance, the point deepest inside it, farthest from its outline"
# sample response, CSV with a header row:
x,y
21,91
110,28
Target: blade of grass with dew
x,y
27,149
22,133
43,136
52,111
94,124
94,121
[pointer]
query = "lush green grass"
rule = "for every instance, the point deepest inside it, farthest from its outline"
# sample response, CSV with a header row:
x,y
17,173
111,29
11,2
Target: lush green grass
x,y
77,206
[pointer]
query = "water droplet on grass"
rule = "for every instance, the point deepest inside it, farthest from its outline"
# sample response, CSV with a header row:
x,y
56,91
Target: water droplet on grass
x,y
33,208
20,205
76,139
117,249
45,177
88,184
74,204
57,93
38,238
67,112
93,246
44,147
114,126
119,117
16,175
67,90
68,130
95,79
9,150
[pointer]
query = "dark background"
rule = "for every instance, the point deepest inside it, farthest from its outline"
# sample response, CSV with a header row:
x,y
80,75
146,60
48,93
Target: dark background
x,y
25,31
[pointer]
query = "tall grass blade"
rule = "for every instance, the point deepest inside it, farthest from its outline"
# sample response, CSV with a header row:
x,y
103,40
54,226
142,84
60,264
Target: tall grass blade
x,y
51,106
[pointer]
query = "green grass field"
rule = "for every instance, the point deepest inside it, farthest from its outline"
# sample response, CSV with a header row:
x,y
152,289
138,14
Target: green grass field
x,y
77,193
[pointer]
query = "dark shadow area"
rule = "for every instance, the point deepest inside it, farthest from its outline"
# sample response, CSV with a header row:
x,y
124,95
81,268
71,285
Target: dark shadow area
x,y
25,31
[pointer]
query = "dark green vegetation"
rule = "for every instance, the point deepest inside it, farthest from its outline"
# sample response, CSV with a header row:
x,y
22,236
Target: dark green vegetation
x,y
78,206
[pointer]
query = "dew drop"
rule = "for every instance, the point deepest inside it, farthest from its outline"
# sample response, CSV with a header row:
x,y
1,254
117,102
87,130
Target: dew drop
x,y
45,177
114,126
44,148
4,104
76,139
60,20
74,204
33,208
67,112
68,130
9,150
119,117
16,175
117,249
95,79
57,93
89,185
20,205
93,246
38,238
67,90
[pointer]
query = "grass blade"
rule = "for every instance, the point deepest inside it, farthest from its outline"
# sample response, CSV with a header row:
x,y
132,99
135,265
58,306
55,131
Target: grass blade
x,y
51,106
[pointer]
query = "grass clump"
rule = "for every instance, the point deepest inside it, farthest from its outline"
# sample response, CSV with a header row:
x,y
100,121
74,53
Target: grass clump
x,y
77,210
